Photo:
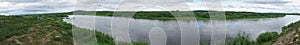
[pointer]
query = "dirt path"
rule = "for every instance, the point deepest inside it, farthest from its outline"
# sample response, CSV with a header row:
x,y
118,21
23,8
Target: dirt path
x,y
288,39
15,38
46,39
30,38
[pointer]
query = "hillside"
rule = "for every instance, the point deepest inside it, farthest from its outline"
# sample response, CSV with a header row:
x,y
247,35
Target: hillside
x,y
40,30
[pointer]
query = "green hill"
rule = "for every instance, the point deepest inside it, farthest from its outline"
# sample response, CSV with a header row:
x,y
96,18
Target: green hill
x,y
40,29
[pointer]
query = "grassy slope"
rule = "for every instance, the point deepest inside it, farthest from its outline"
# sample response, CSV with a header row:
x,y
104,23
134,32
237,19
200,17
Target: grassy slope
x,y
34,30
40,29
271,38
266,38
43,29
290,28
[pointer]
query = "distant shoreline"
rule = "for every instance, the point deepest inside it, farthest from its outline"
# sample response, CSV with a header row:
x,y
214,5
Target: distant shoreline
x,y
199,15
165,15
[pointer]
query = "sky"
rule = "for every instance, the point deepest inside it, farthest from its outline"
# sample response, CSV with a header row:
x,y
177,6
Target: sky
x,y
14,7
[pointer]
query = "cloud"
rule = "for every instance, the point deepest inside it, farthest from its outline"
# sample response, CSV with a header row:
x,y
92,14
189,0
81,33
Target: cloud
x,y
20,1
51,6
268,2
35,6
282,6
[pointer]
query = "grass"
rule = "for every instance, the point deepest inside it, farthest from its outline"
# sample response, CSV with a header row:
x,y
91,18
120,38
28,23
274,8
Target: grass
x,y
37,29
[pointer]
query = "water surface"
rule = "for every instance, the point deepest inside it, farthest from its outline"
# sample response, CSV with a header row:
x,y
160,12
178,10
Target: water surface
x,y
140,28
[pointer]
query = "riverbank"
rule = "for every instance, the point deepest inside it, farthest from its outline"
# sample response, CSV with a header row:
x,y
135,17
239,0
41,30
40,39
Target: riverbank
x,y
288,36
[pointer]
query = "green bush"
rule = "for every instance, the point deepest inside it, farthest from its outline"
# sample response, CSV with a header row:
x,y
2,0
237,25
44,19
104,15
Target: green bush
x,y
240,39
266,37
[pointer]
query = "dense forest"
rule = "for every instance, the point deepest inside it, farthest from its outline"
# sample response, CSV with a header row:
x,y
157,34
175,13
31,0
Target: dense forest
x,y
200,15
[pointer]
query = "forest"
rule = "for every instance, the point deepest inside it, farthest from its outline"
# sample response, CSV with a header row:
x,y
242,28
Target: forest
x,y
199,15
166,15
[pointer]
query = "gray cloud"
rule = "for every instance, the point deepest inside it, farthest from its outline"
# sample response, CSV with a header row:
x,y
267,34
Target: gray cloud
x,y
35,6
49,6
268,2
20,1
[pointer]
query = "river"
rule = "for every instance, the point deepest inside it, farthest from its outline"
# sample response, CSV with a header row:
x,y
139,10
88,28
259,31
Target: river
x,y
139,28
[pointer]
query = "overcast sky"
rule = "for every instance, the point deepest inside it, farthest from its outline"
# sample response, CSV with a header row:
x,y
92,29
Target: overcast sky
x,y
51,6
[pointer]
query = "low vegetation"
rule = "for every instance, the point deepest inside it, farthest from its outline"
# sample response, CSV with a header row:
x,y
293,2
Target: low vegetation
x,y
290,27
240,39
36,29
265,38
243,39
42,29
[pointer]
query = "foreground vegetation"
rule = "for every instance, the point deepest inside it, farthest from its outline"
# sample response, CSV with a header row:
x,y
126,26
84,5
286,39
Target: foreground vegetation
x,y
42,29
37,29
290,27
265,38
243,39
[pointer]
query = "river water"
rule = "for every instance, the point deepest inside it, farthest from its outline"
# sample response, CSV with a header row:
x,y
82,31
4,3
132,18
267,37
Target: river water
x,y
139,28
